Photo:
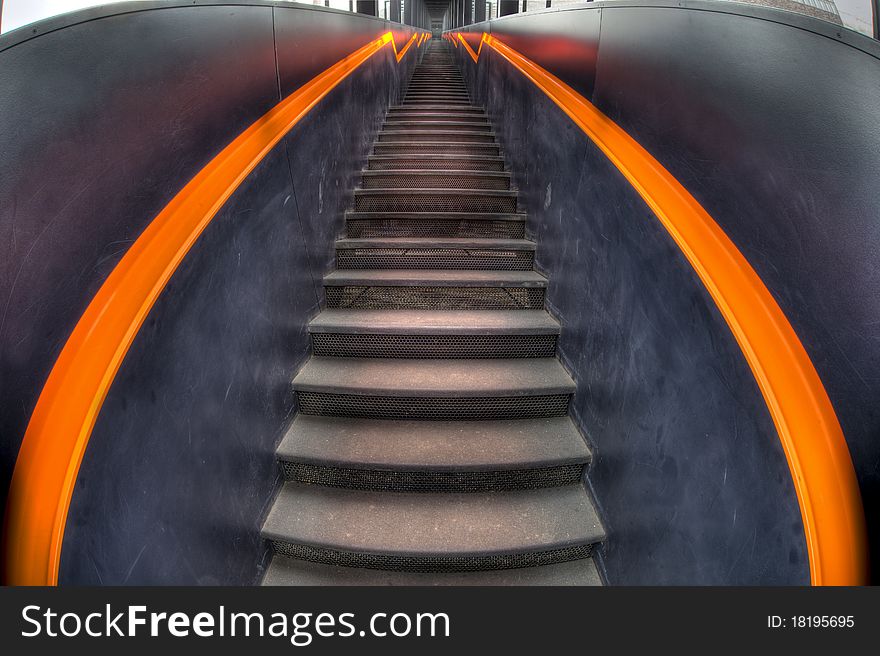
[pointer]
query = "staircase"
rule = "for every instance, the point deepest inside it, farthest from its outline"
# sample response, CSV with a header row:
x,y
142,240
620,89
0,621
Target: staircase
x,y
433,444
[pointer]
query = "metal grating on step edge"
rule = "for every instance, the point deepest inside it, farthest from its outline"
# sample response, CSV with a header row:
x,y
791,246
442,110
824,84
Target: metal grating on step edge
x,y
435,298
368,228
435,408
440,201
368,345
436,135
433,258
431,563
436,181
433,481
436,148
426,163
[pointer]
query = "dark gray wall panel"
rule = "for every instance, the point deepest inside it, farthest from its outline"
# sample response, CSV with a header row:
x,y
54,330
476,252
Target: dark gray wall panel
x,y
309,43
328,149
689,474
564,43
776,131
101,123
180,466
128,105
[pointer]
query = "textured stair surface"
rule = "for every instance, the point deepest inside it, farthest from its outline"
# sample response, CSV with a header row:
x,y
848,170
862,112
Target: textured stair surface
x,y
419,527
433,378
433,444
287,571
436,278
473,322
439,446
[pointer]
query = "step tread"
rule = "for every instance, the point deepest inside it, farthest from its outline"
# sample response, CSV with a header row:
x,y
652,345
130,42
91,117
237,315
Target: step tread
x,y
434,277
451,133
439,106
433,191
473,243
440,216
372,173
432,525
394,123
288,572
437,446
449,156
435,322
451,378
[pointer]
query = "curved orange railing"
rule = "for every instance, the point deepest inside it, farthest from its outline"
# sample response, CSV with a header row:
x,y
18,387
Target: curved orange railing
x,y
813,442
65,414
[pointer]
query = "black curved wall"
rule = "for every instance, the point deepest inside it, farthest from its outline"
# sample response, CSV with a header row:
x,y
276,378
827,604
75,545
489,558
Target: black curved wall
x,y
105,116
771,121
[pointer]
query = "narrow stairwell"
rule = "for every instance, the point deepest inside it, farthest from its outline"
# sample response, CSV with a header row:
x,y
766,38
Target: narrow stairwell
x,y
433,443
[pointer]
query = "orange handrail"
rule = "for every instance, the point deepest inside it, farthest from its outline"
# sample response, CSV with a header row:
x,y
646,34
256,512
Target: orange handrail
x,y
62,422
818,458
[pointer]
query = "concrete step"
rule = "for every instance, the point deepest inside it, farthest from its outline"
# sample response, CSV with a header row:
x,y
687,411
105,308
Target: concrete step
x,y
433,456
433,532
442,389
434,379
434,334
448,322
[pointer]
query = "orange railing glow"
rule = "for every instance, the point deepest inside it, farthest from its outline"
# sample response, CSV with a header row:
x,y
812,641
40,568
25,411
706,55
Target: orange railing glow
x,y
813,442
62,422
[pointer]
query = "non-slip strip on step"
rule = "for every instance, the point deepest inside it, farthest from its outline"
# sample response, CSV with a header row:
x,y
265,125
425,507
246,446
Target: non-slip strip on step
x,y
289,572
433,532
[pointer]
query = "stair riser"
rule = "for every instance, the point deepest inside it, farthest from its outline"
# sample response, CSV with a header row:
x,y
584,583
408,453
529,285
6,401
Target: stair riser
x,y
394,407
437,180
449,563
427,163
363,228
414,258
436,148
435,298
421,111
437,116
433,481
460,136
435,101
360,345
443,126
450,202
